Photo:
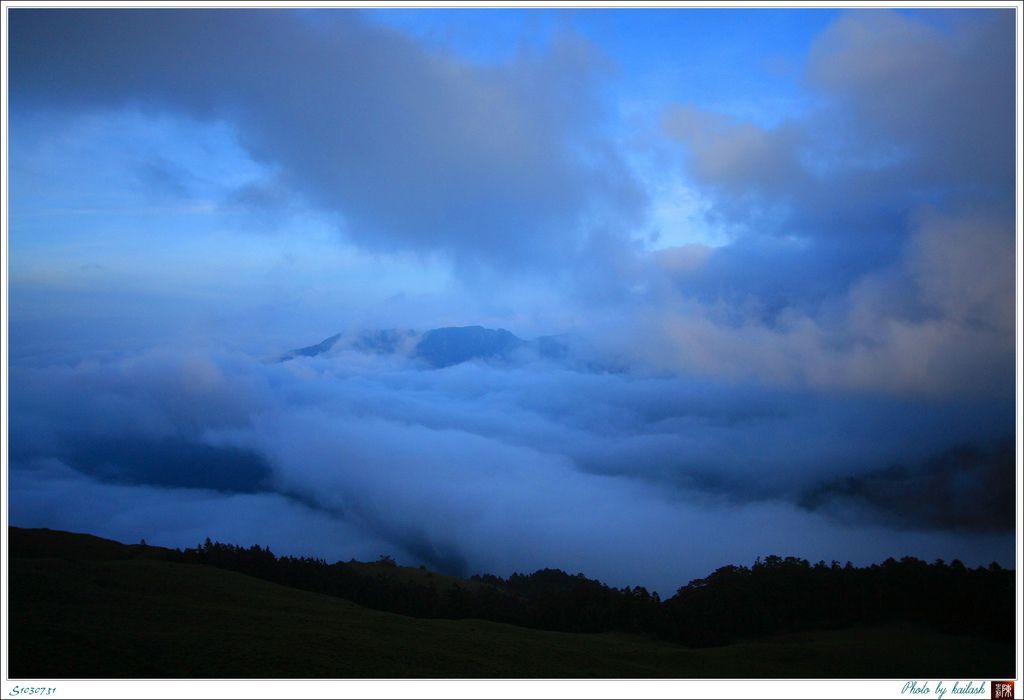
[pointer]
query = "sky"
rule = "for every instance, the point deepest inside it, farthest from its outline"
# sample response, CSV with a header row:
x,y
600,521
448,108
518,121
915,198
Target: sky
x,y
788,234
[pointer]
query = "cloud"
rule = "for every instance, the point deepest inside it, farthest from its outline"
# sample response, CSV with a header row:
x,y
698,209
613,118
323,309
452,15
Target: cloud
x,y
55,496
169,462
933,492
736,155
941,97
406,148
907,114
478,468
962,271
877,231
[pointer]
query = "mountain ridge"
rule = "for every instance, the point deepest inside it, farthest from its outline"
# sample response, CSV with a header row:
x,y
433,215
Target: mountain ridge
x,y
446,346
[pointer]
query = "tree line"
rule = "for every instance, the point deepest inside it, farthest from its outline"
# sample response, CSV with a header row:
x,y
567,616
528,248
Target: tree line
x,y
775,595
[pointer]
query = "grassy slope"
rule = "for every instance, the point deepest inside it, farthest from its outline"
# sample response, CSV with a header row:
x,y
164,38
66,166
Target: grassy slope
x,y
156,619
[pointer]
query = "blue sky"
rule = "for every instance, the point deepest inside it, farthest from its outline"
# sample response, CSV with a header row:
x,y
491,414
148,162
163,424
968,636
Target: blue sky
x,y
744,60
793,229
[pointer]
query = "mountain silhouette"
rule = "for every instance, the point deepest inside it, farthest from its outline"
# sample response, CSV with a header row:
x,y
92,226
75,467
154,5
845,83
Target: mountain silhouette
x,y
449,346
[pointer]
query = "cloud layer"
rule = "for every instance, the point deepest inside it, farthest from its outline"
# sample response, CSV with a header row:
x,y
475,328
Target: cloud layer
x,y
405,148
480,468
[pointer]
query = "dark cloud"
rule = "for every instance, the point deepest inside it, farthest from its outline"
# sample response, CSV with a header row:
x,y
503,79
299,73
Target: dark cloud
x,y
940,102
407,149
963,488
764,276
168,462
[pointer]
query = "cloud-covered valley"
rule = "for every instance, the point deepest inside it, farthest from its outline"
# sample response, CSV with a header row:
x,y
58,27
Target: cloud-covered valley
x,y
479,467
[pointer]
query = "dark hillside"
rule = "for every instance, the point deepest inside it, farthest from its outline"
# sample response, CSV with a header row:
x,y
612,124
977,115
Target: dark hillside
x,y
82,606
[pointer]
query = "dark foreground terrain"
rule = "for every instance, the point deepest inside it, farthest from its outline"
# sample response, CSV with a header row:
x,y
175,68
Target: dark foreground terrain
x,y
83,607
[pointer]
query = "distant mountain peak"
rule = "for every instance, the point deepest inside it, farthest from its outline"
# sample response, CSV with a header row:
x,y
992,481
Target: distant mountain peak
x,y
453,345
312,350
443,347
